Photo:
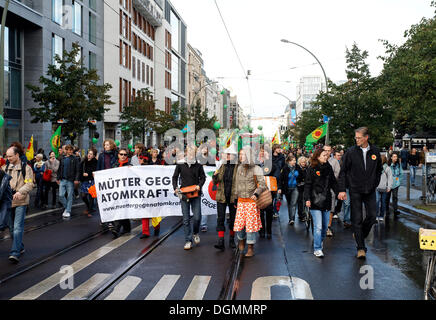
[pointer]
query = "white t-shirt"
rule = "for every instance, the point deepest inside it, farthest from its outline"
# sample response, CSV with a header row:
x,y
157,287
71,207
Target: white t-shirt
x,y
365,151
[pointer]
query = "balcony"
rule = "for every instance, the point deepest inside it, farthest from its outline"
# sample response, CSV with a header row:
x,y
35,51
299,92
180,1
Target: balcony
x,y
150,11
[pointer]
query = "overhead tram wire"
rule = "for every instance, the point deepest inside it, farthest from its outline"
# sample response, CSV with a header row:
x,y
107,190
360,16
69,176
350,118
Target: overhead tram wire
x,y
246,75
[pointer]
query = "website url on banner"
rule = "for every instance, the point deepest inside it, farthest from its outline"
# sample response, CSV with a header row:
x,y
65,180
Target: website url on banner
x,y
142,205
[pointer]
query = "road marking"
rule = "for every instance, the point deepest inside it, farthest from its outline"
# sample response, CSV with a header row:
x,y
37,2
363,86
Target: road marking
x,y
52,281
163,288
81,291
124,288
299,289
197,288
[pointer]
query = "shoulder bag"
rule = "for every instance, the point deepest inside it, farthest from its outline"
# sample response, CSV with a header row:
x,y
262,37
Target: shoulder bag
x,y
265,198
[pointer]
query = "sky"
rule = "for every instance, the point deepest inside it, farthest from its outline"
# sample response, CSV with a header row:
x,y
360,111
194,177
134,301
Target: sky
x,y
326,28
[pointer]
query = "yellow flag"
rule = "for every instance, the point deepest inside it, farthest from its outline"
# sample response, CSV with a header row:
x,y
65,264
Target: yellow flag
x,y
155,221
276,139
29,151
229,140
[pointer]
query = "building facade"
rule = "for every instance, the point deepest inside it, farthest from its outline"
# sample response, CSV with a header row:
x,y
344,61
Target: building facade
x,y
37,30
307,91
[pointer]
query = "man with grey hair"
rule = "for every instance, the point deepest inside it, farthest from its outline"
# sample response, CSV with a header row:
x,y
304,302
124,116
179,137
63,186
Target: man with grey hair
x,y
21,184
361,170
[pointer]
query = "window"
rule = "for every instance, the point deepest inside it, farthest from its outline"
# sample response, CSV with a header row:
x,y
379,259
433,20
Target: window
x,y
93,5
139,70
79,55
134,67
57,6
77,21
175,74
92,28
92,61
143,72
57,48
151,77
175,30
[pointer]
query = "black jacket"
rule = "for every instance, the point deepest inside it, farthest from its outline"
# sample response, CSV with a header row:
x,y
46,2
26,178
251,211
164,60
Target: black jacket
x,y
320,179
353,174
278,163
190,176
73,173
88,167
413,159
301,177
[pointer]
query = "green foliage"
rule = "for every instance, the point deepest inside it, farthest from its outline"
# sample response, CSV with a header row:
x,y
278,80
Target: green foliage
x,y
69,92
409,78
139,116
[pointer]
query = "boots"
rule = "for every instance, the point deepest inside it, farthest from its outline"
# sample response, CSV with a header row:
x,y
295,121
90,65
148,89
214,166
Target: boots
x,y
250,251
232,244
241,246
220,244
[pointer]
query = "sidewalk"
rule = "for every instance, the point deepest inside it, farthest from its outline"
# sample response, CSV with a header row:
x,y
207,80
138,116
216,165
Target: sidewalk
x,y
415,205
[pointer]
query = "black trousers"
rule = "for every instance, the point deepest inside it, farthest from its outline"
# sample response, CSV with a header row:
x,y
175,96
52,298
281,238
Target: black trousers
x,y
268,214
394,194
221,216
47,186
362,227
125,223
300,202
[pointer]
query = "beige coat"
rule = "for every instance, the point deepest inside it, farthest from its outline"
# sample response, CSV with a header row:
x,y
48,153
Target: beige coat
x,y
245,182
19,185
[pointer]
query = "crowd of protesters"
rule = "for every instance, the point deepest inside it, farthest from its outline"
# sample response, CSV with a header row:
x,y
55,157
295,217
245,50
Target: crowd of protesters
x,y
324,181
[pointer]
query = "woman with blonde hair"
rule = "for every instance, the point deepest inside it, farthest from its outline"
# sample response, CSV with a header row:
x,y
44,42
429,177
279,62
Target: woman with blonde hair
x,y
250,184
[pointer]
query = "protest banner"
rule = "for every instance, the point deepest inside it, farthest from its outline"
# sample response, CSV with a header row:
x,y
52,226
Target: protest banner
x,y
145,192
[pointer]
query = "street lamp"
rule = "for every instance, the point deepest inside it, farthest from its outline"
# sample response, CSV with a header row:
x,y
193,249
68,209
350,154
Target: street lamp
x,y
290,104
325,76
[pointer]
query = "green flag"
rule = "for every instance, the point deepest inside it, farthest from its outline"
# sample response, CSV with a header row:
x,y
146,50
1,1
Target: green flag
x,y
55,141
317,134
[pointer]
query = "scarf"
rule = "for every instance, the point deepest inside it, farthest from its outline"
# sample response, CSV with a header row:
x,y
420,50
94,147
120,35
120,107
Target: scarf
x,y
122,163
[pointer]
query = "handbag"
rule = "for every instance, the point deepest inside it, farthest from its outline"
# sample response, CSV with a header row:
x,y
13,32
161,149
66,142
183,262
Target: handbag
x,y
271,183
46,176
190,192
265,198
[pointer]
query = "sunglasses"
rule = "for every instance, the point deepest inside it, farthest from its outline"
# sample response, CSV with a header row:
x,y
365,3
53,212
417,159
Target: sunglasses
x,y
123,154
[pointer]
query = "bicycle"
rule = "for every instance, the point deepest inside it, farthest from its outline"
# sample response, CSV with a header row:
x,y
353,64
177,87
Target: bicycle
x,y
427,241
431,187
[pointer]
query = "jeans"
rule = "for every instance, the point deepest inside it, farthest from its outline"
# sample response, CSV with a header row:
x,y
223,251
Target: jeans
x,y
381,203
320,225
194,204
66,186
362,227
203,222
346,208
412,174
394,194
16,227
251,236
291,199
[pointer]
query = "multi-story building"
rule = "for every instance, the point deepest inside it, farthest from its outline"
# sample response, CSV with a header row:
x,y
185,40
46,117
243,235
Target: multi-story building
x,y
146,48
37,30
307,91
196,78
213,106
290,113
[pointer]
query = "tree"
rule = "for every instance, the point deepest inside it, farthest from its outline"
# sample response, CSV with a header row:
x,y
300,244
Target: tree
x,y
177,118
356,103
409,78
139,116
201,118
70,92
308,121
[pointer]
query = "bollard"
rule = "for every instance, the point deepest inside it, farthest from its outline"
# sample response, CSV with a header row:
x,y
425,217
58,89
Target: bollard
x,y
408,186
424,185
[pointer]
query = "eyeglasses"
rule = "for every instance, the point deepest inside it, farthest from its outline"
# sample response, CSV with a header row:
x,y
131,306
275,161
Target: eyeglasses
x,y
123,154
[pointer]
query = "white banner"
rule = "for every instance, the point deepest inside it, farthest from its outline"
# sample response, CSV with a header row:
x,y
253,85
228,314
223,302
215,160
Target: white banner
x,y
145,192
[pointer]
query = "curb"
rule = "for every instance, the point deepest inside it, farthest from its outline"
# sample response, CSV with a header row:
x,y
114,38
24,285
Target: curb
x,y
417,212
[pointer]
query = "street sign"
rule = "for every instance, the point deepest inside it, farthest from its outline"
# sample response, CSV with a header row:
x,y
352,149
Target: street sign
x,y
430,157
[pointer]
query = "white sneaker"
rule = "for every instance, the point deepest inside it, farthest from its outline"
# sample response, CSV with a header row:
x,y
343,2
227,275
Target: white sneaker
x,y
66,214
318,253
335,216
188,245
196,239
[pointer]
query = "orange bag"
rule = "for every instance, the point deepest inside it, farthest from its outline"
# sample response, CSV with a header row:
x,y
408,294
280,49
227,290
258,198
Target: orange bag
x,y
271,183
190,192
92,191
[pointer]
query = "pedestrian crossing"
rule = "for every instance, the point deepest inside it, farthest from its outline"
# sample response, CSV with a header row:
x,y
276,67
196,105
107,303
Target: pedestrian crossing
x,y
261,288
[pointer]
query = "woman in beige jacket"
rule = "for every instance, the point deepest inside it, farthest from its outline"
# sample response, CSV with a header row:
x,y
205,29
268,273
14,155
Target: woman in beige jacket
x,y
250,184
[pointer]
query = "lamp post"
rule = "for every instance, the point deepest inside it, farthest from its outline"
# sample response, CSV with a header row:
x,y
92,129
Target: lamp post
x,y
2,68
296,116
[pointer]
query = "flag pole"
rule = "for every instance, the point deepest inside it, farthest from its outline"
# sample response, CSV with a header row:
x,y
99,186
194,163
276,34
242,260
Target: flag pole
x,y
327,140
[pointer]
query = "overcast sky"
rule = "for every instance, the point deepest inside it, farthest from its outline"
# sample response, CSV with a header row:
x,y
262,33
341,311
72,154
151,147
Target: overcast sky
x,y
326,28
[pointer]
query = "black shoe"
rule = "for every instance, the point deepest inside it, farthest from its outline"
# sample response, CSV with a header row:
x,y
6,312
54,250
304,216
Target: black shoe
x,y
262,233
220,244
115,233
144,236
232,242
156,232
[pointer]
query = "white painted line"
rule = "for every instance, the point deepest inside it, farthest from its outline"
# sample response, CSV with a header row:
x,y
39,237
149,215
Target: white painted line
x,y
197,288
299,289
84,289
51,210
52,281
124,288
163,288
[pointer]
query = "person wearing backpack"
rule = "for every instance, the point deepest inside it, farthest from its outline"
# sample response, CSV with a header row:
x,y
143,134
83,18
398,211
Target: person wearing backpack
x,y
384,187
38,169
49,178
288,187
21,184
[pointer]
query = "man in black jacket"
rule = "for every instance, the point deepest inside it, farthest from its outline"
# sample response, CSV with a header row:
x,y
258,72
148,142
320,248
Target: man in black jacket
x,y
68,177
361,169
191,173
